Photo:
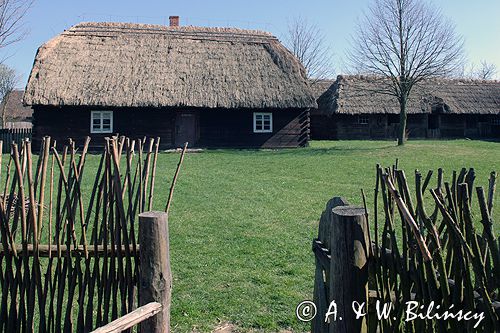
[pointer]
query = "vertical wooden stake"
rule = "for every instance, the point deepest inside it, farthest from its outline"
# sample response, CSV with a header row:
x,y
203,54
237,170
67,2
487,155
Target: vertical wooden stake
x,y
155,278
349,243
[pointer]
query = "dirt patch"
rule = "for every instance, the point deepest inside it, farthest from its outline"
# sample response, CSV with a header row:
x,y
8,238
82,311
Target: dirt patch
x,y
225,328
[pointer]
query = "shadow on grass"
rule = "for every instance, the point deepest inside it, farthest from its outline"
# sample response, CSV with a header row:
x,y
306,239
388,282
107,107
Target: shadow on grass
x,y
302,151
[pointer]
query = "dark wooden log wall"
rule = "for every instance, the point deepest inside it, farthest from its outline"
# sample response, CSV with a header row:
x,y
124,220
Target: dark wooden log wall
x,y
474,126
323,128
217,128
70,122
234,128
452,125
380,126
383,126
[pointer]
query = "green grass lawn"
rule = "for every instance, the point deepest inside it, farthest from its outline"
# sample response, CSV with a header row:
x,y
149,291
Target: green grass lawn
x,y
242,221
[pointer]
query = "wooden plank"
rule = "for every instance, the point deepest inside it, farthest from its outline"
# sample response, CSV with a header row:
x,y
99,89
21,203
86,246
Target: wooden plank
x,y
133,318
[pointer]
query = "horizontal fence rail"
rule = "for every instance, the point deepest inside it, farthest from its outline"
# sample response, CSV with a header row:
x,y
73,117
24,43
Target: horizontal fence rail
x,y
133,318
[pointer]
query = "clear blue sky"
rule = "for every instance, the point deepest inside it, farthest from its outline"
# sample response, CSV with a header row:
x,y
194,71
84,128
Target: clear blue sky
x,y
478,21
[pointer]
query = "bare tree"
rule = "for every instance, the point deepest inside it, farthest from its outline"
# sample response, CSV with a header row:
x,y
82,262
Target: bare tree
x,y
471,71
8,81
486,71
308,43
12,28
404,42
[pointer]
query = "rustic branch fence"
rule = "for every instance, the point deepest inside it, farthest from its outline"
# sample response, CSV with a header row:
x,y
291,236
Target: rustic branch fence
x,y
413,257
70,255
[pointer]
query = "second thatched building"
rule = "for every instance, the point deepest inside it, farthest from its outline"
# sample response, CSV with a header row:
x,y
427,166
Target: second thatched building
x,y
355,107
215,87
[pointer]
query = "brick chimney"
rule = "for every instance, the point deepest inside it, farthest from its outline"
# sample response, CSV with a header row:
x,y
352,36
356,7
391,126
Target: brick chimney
x,y
174,21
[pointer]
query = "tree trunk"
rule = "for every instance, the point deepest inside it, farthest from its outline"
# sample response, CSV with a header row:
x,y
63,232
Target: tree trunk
x,y
402,121
4,105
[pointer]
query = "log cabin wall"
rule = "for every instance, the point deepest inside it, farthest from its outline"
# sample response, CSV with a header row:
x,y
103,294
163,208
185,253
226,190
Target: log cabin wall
x,y
422,125
234,128
452,125
416,125
349,127
323,127
214,128
362,127
62,123
476,126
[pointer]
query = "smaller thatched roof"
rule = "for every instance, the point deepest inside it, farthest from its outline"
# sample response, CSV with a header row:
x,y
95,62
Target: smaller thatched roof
x,y
361,95
320,87
467,96
139,65
14,112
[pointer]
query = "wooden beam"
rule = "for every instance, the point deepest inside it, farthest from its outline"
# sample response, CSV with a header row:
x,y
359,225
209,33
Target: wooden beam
x,y
131,319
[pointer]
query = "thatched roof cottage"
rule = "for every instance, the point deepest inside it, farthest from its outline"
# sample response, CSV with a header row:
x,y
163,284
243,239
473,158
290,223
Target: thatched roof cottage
x,y
351,107
208,86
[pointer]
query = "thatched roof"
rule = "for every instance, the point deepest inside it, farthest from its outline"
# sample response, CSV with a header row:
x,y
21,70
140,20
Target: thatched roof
x,y
359,95
138,65
13,111
320,87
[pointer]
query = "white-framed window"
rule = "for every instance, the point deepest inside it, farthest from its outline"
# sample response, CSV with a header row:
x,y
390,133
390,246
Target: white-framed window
x,y
101,121
262,122
363,120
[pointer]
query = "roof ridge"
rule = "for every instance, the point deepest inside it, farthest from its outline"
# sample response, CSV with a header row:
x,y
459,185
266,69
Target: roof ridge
x,y
341,77
157,28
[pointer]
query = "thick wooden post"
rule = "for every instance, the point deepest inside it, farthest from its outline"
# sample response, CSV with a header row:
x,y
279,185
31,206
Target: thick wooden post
x,y
155,278
322,272
349,243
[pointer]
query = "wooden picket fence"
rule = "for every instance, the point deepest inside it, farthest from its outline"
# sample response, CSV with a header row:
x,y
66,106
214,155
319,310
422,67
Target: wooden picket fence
x,y
424,252
69,255
10,135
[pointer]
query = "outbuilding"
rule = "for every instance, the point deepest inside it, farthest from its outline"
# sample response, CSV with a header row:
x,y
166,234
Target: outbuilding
x,y
14,115
353,107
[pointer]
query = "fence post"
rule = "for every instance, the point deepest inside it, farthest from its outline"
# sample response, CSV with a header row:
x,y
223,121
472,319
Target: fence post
x,y
322,272
349,241
155,277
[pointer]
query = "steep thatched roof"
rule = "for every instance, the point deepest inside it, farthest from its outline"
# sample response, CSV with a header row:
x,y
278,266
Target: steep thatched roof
x,y
319,87
13,111
360,95
322,92
138,65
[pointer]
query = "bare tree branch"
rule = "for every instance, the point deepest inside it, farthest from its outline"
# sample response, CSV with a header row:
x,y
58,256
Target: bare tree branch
x,y
405,42
12,29
486,71
308,43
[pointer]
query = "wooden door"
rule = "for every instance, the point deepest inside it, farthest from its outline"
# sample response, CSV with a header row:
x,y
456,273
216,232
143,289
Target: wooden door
x,y
186,129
